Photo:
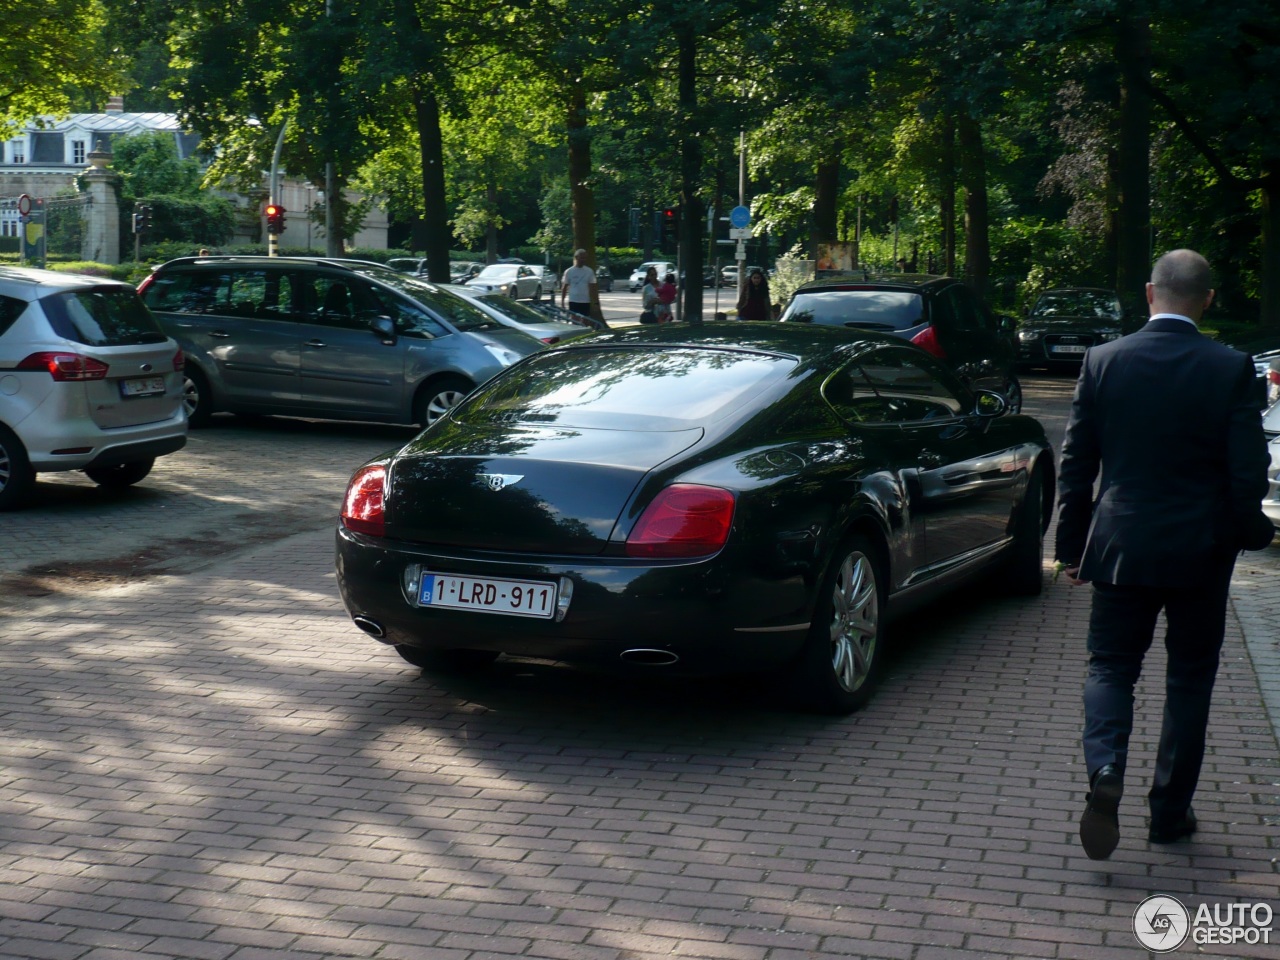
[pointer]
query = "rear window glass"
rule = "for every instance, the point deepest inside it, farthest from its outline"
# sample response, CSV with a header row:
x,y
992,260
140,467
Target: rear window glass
x,y
102,317
662,389
889,310
10,310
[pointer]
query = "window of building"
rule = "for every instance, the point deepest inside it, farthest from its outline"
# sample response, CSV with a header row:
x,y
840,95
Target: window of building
x,y
9,226
48,147
77,152
19,151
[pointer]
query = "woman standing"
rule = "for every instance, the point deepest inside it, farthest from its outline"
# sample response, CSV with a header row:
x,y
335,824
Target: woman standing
x,y
753,303
650,302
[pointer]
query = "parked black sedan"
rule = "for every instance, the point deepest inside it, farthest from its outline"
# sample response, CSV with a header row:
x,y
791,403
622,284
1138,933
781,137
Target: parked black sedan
x,y
714,499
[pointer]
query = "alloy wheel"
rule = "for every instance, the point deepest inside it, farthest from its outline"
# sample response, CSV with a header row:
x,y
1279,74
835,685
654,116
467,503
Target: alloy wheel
x,y
855,621
441,403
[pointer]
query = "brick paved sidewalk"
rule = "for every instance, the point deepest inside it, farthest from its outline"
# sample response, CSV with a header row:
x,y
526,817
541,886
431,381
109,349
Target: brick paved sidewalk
x,y
218,765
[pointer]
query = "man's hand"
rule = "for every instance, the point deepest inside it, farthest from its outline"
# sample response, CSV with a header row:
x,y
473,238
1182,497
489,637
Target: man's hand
x,y
1069,572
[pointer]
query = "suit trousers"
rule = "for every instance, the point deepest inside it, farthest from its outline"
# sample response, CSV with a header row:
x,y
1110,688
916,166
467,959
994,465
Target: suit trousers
x,y
1122,624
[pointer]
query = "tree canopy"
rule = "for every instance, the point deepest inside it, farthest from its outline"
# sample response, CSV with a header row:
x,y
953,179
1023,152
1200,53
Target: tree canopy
x,y
1019,143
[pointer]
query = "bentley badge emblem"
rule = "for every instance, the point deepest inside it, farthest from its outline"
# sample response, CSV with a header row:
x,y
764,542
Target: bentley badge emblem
x,y
497,481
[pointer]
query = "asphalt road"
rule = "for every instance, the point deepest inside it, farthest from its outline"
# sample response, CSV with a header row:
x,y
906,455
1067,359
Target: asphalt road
x,y
204,760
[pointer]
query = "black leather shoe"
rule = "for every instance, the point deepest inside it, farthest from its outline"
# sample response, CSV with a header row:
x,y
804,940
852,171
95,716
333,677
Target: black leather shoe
x,y
1173,831
1100,823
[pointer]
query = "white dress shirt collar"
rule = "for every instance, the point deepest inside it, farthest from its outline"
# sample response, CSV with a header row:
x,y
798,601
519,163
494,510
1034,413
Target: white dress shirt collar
x,y
1174,316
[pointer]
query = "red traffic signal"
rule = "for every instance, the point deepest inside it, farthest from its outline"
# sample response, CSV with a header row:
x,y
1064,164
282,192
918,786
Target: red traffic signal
x,y
669,223
275,218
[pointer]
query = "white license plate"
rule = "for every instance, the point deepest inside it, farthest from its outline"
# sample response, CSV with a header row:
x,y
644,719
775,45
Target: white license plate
x,y
142,387
517,598
1069,348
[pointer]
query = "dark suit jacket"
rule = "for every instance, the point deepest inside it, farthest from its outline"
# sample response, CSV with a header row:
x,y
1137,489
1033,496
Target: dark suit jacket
x,y
1173,421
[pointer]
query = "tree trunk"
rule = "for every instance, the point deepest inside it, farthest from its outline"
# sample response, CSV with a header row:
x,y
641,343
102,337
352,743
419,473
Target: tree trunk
x,y
826,199
491,208
436,231
580,193
1270,266
692,208
973,174
1133,179
947,205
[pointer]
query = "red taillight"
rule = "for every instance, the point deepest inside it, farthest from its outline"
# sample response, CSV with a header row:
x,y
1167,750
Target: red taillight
x,y
927,339
684,520
65,366
179,361
1273,377
362,507
146,282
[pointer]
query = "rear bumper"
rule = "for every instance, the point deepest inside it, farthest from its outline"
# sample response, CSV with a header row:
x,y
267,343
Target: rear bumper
x,y
708,615
98,447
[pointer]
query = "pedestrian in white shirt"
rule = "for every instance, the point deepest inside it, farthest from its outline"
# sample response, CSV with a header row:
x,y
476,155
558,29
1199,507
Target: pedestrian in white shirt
x,y
578,281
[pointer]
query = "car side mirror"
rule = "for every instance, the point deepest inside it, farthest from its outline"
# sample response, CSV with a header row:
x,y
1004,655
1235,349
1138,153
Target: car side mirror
x,y
988,404
384,328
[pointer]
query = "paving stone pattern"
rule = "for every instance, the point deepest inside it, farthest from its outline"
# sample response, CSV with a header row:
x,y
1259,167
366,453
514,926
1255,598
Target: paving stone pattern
x,y
211,762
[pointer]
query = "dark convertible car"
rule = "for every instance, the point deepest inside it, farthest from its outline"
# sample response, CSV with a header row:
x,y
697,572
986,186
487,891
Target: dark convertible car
x,y
717,499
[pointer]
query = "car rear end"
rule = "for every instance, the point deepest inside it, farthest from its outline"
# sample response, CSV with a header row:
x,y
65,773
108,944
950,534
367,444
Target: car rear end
x,y
900,311
87,377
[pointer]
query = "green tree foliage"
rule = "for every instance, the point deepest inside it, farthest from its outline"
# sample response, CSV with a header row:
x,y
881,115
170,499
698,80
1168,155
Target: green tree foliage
x,y
56,57
148,164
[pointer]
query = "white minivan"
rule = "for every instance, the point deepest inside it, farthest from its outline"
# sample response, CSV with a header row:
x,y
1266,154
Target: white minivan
x,y
88,381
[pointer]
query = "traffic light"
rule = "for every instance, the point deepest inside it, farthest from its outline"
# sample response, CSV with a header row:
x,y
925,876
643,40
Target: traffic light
x,y
275,218
669,223
141,218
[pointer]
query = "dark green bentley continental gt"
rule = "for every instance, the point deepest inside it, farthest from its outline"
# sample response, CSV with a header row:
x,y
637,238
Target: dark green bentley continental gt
x,y
706,499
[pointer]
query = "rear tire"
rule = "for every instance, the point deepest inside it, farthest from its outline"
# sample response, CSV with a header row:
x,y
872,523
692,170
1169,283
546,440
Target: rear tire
x,y
844,653
446,661
120,475
196,397
439,397
17,479
1022,575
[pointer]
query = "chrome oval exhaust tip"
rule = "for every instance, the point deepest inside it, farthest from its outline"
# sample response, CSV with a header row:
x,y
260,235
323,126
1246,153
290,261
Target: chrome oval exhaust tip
x,y
370,626
649,657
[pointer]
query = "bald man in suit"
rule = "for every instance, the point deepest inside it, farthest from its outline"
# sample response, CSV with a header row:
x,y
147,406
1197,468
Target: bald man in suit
x,y
1172,421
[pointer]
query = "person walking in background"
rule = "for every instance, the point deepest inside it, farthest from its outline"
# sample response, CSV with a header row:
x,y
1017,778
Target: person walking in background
x,y
753,302
576,284
1172,420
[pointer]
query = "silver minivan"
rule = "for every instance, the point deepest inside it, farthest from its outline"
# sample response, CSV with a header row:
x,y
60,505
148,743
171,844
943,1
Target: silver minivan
x,y
331,339
88,381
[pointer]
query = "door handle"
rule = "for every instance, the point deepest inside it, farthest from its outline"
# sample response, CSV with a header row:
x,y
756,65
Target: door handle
x,y
316,343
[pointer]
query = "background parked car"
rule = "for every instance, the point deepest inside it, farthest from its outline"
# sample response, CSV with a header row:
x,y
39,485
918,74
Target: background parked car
x,y
88,381
515,280
341,340
938,314
511,313
635,499
637,275
564,315
550,280
462,271
414,266
1064,323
